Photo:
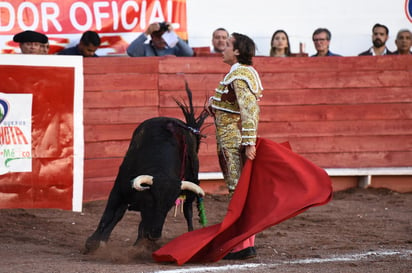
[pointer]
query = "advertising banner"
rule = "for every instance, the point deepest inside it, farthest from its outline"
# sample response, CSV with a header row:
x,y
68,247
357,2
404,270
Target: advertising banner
x,y
41,132
15,132
117,22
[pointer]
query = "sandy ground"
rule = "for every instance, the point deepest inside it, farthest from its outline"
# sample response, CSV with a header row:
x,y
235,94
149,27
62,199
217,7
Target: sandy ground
x,y
360,230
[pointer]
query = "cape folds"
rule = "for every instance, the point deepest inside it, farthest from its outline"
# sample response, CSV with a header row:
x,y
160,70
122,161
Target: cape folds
x,y
277,185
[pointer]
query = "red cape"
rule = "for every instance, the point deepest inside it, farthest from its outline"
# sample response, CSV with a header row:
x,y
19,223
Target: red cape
x,y
276,186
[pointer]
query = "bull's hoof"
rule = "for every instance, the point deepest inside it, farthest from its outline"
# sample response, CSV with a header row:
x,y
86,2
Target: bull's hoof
x,y
144,240
153,239
91,245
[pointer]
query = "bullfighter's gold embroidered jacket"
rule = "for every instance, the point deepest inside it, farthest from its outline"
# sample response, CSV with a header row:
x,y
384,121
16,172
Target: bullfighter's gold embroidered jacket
x,y
238,93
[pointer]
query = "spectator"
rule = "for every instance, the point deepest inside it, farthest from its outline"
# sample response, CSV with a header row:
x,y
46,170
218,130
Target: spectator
x,y
219,38
30,41
44,48
403,42
321,39
89,43
279,44
380,34
158,46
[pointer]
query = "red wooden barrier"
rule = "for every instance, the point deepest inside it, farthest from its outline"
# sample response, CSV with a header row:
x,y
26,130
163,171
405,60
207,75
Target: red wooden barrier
x,y
350,112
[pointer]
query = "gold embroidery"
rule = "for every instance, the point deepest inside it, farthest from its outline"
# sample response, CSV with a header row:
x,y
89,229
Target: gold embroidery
x,y
222,99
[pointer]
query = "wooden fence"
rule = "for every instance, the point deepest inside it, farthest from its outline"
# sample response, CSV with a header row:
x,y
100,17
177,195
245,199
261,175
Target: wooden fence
x,y
350,115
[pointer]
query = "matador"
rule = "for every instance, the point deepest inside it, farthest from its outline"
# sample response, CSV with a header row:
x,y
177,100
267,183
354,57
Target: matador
x,y
236,112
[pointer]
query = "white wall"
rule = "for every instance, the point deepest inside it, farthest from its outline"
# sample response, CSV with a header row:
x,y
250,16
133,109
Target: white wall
x,y
350,21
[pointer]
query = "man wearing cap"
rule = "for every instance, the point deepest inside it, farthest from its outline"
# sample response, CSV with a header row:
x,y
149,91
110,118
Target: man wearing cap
x,y
30,41
158,46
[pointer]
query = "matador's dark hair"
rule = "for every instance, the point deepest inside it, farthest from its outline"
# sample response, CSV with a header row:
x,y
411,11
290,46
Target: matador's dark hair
x,y
246,48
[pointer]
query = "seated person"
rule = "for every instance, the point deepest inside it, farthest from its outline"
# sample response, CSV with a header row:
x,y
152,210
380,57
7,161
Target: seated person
x,y
403,42
89,43
380,34
30,42
219,39
321,40
279,44
44,48
157,46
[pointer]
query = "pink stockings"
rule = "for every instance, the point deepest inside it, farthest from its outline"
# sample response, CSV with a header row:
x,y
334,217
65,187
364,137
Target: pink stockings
x,y
245,244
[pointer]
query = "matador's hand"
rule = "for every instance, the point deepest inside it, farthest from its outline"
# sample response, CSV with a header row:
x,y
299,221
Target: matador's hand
x,y
250,152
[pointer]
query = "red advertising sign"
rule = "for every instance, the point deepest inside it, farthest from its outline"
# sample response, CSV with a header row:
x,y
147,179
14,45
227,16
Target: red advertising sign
x,y
39,159
118,22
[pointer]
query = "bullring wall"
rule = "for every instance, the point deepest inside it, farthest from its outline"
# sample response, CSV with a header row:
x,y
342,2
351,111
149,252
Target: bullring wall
x,y
343,113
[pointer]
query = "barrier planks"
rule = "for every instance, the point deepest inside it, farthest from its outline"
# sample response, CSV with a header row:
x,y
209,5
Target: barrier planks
x,y
339,112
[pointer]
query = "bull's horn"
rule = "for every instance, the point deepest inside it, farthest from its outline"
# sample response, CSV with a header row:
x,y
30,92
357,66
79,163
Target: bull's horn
x,y
187,185
142,179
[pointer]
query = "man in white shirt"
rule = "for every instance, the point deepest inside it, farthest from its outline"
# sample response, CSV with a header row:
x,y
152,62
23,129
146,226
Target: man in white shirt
x,y
380,34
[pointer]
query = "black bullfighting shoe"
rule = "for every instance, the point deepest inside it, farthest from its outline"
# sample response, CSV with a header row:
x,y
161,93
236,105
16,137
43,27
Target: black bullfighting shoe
x,y
247,253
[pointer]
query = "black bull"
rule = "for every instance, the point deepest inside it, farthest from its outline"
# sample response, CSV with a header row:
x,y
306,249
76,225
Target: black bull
x,y
162,152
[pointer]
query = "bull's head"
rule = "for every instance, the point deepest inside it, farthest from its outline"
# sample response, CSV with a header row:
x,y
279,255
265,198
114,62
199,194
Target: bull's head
x,y
155,210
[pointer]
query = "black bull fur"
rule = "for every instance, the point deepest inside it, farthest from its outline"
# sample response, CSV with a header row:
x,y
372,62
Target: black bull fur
x,y
165,148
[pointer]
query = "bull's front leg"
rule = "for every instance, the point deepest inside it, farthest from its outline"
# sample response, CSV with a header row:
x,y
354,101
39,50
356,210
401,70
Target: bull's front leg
x,y
114,212
141,235
188,210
